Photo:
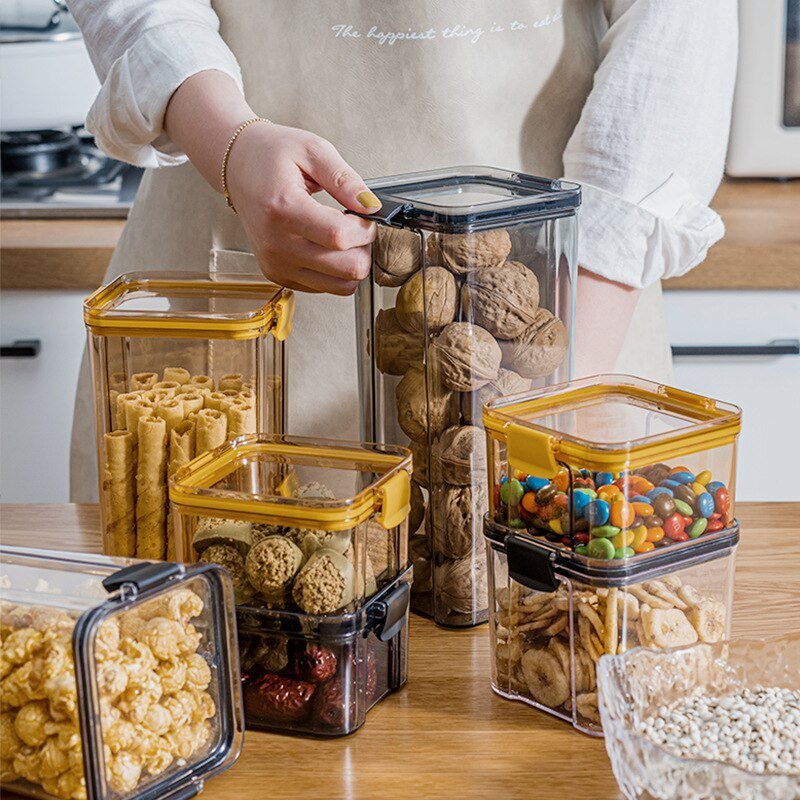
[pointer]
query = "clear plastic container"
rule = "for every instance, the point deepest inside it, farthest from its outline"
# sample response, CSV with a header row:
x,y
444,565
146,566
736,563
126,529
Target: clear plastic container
x,y
302,524
647,771
613,466
119,678
555,613
320,675
181,362
471,297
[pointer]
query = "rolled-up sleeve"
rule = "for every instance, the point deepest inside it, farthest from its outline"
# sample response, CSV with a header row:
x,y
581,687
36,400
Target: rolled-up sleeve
x,y
142,51
650,144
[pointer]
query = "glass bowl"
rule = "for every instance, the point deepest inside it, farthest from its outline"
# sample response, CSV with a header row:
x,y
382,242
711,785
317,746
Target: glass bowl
x,y
633,685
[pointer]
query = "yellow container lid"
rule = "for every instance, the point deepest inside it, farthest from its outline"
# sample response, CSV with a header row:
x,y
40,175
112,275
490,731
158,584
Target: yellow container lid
x,y
189,305
608,423
265,478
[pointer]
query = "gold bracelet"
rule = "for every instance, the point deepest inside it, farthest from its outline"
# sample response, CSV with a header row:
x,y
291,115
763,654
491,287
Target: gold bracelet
x,y
227,156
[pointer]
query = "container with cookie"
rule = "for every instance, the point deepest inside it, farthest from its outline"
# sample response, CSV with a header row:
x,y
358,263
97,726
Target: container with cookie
x,y
613,467
555,612
315,536
471,297
118,678
181,362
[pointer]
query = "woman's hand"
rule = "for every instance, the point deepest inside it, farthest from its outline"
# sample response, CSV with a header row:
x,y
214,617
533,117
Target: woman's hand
x,y
299,242
272,173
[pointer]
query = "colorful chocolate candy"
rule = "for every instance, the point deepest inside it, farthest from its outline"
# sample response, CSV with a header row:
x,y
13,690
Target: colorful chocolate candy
x,y
615,516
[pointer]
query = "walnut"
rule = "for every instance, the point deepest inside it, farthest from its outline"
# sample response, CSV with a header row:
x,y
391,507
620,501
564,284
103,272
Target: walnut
x,y
502,299
395,349
457,518
465,356
416,411
540,349
459,456
422,576
507,382
467,252
435,309
419,453
395,254
417,513
462,585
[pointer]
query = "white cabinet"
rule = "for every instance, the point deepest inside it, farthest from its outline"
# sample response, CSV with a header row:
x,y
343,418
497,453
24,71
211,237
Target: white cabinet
x,y
767,387
37,395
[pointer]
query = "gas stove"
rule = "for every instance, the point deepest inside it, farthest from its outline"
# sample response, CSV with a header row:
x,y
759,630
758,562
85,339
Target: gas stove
x,y
62,173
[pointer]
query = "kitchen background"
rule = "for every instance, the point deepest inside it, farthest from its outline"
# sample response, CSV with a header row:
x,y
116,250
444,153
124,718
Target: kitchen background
x,y
734,321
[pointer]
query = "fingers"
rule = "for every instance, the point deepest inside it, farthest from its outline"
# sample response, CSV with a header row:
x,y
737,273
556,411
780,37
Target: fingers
x,y
329,170
303,216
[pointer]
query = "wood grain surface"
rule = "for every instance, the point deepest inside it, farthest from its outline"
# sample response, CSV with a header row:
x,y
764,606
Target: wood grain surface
x,y
761,248
446,735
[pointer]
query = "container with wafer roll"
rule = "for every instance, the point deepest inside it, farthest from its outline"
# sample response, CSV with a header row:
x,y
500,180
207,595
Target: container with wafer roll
x,y
554,612
181,363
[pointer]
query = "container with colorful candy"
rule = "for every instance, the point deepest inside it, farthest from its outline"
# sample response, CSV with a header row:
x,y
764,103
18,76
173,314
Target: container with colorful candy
x,y
612,466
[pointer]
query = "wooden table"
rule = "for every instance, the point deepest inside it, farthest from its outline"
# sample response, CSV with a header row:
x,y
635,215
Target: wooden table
x,y
446,735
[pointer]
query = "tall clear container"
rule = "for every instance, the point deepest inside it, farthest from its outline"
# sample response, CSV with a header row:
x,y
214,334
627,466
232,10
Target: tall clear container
x,y
181,363
471,297
119,679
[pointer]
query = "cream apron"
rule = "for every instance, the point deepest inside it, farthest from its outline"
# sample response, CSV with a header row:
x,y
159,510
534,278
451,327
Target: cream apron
x,y
397,87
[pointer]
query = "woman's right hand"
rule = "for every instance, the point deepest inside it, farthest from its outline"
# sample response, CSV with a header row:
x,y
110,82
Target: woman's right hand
x,y
273,171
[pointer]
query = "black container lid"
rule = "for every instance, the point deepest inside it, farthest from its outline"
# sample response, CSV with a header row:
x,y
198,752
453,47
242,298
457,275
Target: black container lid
x,y
538,564
471,197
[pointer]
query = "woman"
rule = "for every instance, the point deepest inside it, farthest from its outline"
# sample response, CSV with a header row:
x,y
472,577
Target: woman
x,y
631,98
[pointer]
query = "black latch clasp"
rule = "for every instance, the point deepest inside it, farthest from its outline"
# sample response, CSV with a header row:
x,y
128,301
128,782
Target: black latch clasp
x,y
530,565
143,576
389,614
387,213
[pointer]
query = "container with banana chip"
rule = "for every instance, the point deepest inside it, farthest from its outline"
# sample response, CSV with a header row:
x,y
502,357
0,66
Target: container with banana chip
x,y
181,363
471,297
119,679
555,612
613,467
307,525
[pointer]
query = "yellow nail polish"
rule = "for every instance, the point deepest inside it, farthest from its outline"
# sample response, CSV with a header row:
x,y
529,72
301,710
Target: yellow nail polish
x,y
368,199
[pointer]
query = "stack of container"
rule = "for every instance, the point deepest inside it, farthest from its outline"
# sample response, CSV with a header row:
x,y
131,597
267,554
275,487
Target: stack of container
x,y
315,537
611,526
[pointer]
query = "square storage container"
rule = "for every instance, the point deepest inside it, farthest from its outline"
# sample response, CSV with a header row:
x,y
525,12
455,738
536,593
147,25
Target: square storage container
x,y
181,363
301,524
613,466
120,679
471,297
554,613
320,675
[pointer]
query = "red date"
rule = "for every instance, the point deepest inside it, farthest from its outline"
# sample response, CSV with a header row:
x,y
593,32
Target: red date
x,y
315,663
278,699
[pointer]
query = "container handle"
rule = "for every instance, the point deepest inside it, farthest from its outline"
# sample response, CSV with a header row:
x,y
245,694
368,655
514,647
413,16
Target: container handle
x,y
387,213
143,576
531,450
395,497
390,613
530,565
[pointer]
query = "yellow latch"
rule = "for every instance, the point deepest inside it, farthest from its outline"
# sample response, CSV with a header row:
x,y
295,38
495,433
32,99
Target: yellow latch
x,y
531,450
284,315
395,497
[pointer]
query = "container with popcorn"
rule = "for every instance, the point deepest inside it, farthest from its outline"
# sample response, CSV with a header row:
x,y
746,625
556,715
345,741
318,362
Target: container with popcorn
x,y
118,678
471,297
181,363
555,612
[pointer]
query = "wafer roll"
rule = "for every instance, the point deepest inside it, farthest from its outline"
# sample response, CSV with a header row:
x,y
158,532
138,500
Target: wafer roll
x,y
167,386
143,380
151,485
241,417
203,381
171,411
192,402
118,409
233,381
118,382
134,410
248,394
177,374
181,452
119,493
214,400
211,431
